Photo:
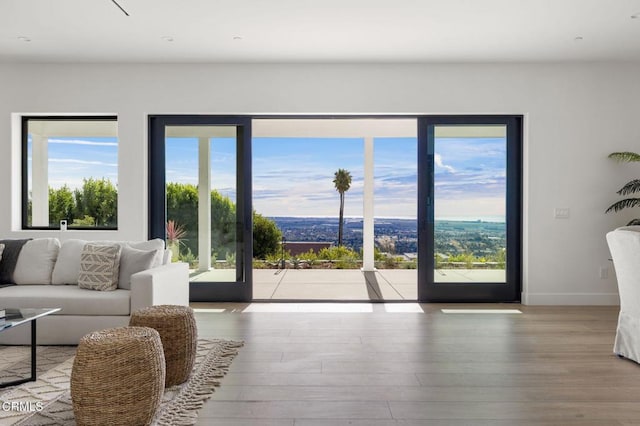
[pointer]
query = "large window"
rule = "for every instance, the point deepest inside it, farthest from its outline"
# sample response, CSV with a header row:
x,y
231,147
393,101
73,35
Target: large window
x,y
69,172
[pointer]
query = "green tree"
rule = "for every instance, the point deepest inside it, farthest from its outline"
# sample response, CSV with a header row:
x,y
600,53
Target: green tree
x,y
342,182
223,225
182,208
182,204
84,221
266,236
61,205
97,198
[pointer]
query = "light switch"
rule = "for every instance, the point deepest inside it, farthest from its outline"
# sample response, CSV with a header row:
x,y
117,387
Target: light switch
x,y
561,213
604,272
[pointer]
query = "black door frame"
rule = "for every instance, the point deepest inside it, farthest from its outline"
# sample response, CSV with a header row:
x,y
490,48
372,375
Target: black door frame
x,y
428,289
242,289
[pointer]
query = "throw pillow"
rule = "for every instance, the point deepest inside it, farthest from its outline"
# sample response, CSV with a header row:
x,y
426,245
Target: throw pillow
x,y
9,259
36,260
154,244
1,250
132,261
99,267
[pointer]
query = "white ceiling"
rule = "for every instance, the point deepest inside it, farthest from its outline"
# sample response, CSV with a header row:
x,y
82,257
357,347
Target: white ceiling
x,y
337,31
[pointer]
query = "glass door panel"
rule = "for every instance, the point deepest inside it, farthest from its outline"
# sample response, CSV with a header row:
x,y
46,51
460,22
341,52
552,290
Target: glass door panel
x,y
201,165
470,203
200,200
469,208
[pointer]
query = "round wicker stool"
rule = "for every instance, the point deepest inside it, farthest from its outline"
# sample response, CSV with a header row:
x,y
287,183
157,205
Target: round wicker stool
x,y
118,377
177,328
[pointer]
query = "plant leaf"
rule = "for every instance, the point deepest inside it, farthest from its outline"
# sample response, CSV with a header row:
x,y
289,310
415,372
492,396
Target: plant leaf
x,y
623,204
630,188
625,156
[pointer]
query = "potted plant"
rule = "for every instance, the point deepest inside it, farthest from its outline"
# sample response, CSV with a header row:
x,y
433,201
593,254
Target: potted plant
x,y
175,233
629,188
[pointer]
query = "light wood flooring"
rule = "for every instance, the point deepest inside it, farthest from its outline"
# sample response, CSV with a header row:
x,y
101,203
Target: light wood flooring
x,y
411,364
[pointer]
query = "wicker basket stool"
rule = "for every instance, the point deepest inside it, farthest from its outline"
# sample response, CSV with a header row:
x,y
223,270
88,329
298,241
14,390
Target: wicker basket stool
x,y
177,328
118,377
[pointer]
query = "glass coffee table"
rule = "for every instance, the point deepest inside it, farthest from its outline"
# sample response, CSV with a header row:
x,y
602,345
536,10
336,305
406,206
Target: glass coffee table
x,y
18,317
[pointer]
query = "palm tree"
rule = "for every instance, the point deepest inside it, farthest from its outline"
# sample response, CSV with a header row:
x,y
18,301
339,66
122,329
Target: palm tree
x,y
630,188
342,182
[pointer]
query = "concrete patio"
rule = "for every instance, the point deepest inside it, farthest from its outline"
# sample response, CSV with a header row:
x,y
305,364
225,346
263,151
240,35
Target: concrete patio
x,y
345,284
334,284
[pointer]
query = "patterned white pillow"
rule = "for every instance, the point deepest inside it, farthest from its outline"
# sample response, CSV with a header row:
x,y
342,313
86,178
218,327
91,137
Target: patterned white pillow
x,y
99,267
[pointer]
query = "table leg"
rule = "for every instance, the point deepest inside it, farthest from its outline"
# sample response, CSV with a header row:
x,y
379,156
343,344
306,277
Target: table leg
x,y
33,350
33,361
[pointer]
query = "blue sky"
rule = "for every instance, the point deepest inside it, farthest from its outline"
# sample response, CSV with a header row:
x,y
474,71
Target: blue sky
x,y
470,178
293,176
72,159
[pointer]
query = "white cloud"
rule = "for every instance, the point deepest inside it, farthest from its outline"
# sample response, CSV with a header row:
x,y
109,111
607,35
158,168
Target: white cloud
x,y
437,158
81,142
74,161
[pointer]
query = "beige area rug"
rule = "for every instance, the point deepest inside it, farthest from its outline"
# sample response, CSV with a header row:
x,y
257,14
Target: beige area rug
x,y
47,401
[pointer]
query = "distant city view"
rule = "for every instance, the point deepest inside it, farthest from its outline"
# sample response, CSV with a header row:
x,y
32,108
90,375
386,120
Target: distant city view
x,y
453,237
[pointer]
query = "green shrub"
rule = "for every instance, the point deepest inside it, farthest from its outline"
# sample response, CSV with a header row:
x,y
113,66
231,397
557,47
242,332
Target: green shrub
x,y
266,236
310,257
412,264
338,253
390,262
189,257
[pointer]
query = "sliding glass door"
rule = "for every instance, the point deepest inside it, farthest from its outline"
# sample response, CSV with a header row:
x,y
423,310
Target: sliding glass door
x,y
468,204
200,200
469,208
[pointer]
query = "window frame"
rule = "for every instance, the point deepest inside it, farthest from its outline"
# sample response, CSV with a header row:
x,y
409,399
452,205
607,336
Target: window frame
x,y
24,202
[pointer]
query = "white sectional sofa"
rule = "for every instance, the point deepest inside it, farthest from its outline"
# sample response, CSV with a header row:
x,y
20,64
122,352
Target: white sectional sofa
x,y
46,276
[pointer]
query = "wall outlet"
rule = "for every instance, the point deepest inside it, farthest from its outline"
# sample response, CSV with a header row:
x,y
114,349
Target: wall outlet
x,y
561,212
63,225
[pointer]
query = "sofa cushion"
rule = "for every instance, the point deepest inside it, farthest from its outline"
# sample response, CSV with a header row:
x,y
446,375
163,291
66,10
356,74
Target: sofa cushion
x,y
10,255
99,266
133,261
36,261
71,299
67,266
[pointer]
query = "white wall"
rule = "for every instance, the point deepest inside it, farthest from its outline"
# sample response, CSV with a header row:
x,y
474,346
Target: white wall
x,y
575,115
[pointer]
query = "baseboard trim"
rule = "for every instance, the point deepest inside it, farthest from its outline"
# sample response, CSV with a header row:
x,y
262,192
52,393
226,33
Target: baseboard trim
x,y
570,299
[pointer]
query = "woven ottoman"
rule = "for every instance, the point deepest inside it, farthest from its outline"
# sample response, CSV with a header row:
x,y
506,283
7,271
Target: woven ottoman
x,y
117,377
179,335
